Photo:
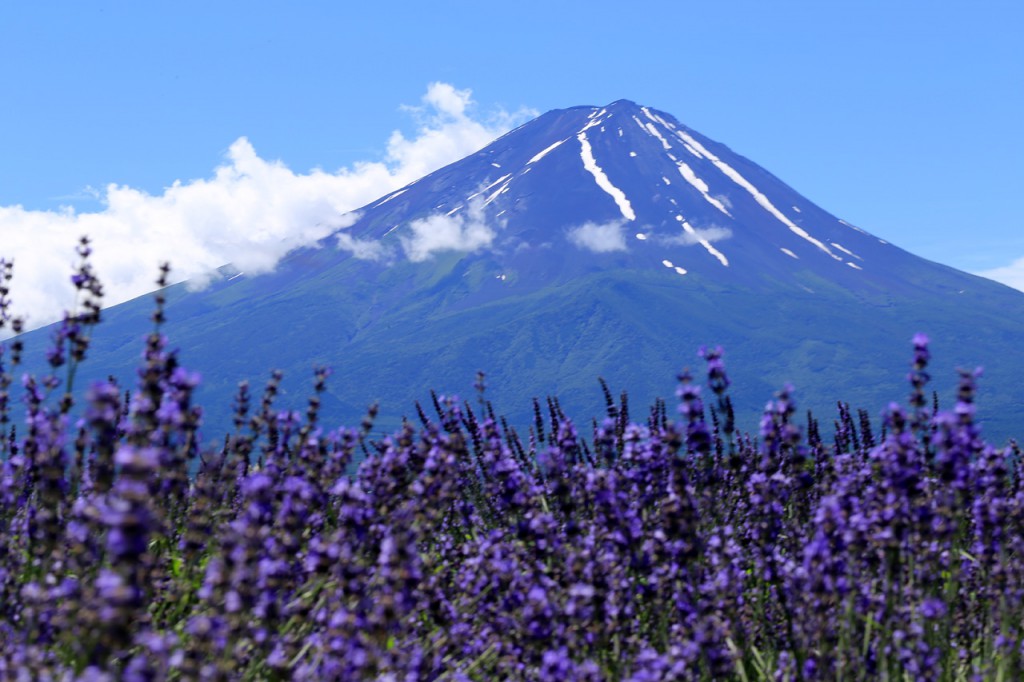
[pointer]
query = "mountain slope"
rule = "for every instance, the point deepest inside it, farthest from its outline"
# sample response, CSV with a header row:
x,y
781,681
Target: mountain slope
x,y
591,241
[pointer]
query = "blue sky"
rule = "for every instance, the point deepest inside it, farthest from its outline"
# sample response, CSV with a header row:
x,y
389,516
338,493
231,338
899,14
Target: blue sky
x,y
901,117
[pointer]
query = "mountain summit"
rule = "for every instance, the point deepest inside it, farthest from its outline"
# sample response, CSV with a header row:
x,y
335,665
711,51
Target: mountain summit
x,y
629,186
592,241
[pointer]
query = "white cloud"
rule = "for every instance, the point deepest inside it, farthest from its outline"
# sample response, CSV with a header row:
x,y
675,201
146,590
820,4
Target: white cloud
x,y
599,237
1011,275
463,231
444,125
364,249
250,212
699,234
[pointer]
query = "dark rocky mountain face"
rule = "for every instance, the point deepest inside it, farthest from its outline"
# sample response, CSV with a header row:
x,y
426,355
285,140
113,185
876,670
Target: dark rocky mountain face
x,y
589,242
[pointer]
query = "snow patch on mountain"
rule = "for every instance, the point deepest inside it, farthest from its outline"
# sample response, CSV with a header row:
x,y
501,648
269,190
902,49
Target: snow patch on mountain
x,y
656,118
595,120
590,164
480,191
845,250
702,239
501,190
693,151
700,186
654,131
544,152
759,197
390,197
678,269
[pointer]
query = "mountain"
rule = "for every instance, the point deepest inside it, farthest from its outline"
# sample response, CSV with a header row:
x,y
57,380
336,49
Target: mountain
x,y
592,241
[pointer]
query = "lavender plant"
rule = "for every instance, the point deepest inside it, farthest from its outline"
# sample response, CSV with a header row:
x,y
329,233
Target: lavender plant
x,y
457,550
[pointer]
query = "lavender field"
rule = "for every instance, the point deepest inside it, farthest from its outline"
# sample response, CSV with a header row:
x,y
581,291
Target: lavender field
x,y
650,544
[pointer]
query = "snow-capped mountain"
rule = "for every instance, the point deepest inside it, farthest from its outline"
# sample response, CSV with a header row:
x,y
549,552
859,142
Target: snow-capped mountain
x,y
592,241
628,186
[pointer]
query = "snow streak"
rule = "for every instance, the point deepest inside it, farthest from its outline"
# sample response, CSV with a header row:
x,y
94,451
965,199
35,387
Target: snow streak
x,y
700,186
846,250
390,197
688,228
540,155
654,131
760,198
590,164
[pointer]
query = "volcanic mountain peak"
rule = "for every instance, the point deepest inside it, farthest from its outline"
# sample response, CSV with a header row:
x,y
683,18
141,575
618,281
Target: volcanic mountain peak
x,y
592,241
628,185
